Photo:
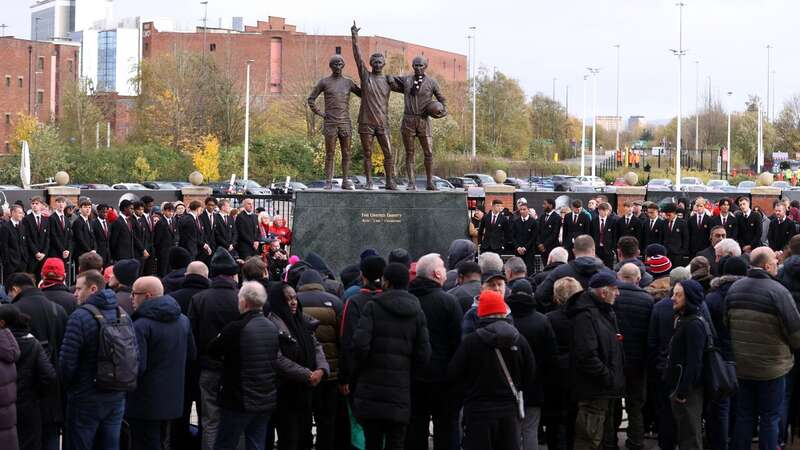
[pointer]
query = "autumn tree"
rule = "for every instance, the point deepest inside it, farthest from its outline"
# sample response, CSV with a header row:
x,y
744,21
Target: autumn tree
x,y
501,115
206,158
80,114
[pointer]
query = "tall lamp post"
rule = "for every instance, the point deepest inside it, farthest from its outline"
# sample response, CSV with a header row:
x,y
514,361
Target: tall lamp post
x,y
619,119
697,110
730,153
245,171
474,93
594,71
680,52
583,130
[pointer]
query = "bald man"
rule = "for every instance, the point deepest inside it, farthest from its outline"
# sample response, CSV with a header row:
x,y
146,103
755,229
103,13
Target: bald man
x,y
165,342
197,268
633,308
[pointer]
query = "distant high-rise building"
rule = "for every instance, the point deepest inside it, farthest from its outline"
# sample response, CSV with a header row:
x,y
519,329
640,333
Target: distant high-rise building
x,y
609,123
52,19
636,123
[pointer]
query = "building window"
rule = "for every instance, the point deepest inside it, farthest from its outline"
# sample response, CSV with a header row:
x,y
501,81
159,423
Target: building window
x,y
8,80
275,65
8,118
20,82
40,64
8,147
146,46
39,97
338,50
107,61
212,47
69,65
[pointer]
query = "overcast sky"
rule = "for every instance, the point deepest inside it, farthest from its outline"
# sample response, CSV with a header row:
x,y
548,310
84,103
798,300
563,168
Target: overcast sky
x,y
535,41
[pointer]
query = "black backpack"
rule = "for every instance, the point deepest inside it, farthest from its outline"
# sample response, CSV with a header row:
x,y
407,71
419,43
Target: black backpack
x,y
719,375
117,352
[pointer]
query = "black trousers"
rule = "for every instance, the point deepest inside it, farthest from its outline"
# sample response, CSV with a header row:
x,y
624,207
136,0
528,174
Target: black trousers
x,y
432,401
180,437
665,420
491,433
384,435
325,399
147,434
293,426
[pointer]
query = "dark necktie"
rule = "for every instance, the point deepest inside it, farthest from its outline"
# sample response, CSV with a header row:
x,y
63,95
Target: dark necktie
x,y
723,221
652,223
494,219
38,222
105,228
671,226
627,221
602,230
61,219
574,218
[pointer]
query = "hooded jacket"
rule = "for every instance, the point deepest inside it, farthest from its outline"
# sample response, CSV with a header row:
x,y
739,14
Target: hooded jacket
x,y
716,302
476,370
78,357
685,366
326,308
351,315
173,280
660,288
192,284
460,250
316,262
536,279
633,308
164,337
597,358
390,343
581,268
35,372
443,318
9,353
536,330
48,319
61,295
209,312
789,276
646,277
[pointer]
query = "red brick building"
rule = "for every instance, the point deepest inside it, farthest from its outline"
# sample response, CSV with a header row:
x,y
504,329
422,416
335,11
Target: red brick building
x,y
286,60
33,75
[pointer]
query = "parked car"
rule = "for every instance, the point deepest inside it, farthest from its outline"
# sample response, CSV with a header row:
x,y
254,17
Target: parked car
x,y
717,184
591,181
293,186
782,185
481,178
660,184
95,186
180,184
320,184
462,182
691,181
9,187
745,186
130,187
541,183
160,185
563,183
518,183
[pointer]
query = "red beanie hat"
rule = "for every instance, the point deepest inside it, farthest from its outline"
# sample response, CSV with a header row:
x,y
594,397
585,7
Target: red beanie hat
x,y
53,269
490,303
658,264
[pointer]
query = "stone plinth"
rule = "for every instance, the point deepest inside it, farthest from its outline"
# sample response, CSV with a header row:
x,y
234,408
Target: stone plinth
x,y
338,225
503,192
192,193
69,193
763,197
629,194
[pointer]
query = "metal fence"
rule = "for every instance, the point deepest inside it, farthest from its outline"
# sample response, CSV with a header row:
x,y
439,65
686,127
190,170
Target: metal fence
x,y
273,204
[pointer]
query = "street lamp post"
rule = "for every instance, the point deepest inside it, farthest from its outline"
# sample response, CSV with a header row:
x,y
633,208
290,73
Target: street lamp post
x,y
245,171
205,25
583,130
730,153
619,119
697,111
594,71
680,52
769,51
474,92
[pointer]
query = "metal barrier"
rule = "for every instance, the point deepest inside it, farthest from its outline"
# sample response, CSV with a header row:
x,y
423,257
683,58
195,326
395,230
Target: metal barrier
x,y
274,204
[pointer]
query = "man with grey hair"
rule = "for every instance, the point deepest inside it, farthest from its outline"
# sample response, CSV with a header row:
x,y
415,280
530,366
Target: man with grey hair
x,y
490,262
250,348
557,258
727,247
430,388
515,270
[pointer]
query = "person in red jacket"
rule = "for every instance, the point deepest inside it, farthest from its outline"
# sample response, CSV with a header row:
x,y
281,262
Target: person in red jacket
x,y
281,231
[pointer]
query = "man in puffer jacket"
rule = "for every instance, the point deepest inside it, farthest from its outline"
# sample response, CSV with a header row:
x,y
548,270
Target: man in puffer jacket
x,y
94,417
390,343
248,347
327,309
165,343
316,262
491,417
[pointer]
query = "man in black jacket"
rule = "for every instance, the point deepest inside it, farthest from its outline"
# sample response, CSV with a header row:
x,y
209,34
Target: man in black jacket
x,y
718,233
749,226
247,234
654,228
431,395
524,234
781,228
629,224
390,343
727,219
165,237
37,236
225,229
582,268
209,218
249,349
14,251
633,308
102,234
60,233
82,235
469,284
123,241
576,224
145,229
494,230
699,226
596,360
536,329
676,237
209,312
549,228
191,234
491,412
604,232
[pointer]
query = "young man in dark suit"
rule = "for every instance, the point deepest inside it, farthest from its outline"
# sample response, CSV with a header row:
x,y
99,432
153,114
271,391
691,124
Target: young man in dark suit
x,y
124,242
37,235
165,237
699,225
654,228
247,230
628,223
676,237
82,236
13,248
225,229
727,219
209,220
60,231
549,229
575,224
749,226
523,234
781,228
191,235
604,232
494,230
145,228
102,234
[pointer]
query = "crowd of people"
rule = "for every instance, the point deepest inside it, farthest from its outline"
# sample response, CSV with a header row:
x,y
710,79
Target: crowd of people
x,y
225,340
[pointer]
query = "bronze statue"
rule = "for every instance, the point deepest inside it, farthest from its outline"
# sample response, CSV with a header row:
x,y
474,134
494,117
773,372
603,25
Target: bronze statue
x,y
373,115
419,91
336,90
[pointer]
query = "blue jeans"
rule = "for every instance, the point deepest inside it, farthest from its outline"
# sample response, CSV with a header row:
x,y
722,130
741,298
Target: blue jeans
x,y
233,423
94,423
762,400
718,419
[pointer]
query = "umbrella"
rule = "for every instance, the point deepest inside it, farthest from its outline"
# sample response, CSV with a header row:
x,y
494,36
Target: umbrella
x,y
25,165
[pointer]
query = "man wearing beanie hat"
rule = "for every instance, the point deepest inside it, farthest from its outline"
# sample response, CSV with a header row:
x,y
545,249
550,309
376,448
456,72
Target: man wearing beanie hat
x,y
209,312
123,274
371,275
400,255
491,412
597,359
390,343
179,259
658,266
490,281
53,287
536,330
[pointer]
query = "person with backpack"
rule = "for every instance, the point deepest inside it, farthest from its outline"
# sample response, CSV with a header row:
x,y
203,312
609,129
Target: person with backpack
x,y
685,364
95,394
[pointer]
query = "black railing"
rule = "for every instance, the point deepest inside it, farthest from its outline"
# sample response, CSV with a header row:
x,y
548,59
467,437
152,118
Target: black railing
x,y
273,204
